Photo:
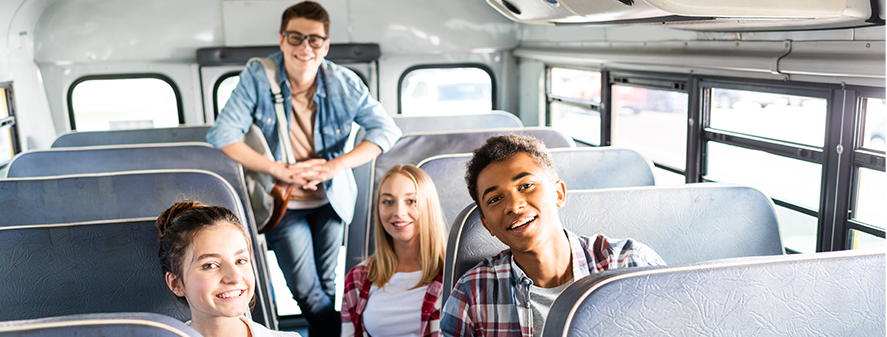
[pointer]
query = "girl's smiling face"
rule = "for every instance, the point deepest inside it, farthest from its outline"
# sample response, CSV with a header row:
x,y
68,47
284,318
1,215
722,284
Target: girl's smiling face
x,y
397,208
217,276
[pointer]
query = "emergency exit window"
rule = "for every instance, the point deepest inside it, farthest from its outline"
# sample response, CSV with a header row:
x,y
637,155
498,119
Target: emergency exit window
x,y
446,90
118,102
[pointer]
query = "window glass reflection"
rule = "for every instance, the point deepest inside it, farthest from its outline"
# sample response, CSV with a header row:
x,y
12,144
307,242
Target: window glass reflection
x,y
446,91
130,103
787,179
582,124
577,84
874,124
795,119
652,122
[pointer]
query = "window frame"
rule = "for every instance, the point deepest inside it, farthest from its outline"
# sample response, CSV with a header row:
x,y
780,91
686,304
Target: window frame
x,y
860,158
598,107
222,78
839,179
70,95
493,87
9,122
648,80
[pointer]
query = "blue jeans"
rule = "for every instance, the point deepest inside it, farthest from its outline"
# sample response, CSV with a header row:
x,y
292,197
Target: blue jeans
x,y
306,243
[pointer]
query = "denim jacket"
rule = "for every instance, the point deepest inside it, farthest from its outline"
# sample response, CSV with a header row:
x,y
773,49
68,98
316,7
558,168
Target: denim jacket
x,y
341,99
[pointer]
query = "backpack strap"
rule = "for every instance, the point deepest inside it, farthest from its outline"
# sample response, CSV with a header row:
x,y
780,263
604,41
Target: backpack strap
x,y
282,130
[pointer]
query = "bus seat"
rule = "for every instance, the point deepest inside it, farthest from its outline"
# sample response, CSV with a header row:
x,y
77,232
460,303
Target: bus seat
x,y
136,324
683,224
580,168
120,195
108,196
412,149
119,158
134,136
83,267
822,294
417,124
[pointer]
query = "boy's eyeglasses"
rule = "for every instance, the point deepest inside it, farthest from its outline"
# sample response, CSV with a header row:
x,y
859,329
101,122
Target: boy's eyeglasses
x,y
295,39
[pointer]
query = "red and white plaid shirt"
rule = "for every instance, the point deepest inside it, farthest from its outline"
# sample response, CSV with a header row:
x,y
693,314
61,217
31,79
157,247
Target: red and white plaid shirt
x,y
492,299
357,292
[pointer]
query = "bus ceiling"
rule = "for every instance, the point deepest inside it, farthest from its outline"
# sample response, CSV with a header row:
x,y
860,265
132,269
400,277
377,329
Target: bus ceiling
x,y
703,15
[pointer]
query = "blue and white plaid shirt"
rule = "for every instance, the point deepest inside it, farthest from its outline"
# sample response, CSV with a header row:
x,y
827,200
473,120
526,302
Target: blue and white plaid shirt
x,y
492,299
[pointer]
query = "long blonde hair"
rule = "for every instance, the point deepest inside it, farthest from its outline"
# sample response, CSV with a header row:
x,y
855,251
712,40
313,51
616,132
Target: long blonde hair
x,y
432,232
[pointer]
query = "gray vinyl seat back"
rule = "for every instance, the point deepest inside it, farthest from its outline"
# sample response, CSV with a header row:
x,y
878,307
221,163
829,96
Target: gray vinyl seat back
x,y
119,158
134,324
418,124
579,168
683,224
134,136
133,157
84,267
821,294
412,149
109,196
88,243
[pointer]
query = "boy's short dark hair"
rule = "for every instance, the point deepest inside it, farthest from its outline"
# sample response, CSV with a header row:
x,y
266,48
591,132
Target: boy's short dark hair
x,y
502,147
309,10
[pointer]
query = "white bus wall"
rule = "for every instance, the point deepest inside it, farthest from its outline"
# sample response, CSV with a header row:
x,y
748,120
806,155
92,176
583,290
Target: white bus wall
x,y
62,41
51,43
33,118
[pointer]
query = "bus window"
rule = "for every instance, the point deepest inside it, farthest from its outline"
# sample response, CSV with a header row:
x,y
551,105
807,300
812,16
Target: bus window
x,y
785,179
795,119
574,98
871,197
445,91
653,122
117,102
224,86
868,214
874,124
860,239
8,145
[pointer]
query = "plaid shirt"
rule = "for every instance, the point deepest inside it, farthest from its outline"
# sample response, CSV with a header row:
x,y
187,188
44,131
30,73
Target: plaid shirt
x,y
357,292
492,299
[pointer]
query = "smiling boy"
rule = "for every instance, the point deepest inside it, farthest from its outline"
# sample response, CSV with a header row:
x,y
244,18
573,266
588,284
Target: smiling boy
x,y
513,181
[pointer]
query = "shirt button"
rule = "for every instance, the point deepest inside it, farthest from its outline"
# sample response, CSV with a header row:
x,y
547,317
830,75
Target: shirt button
x,y
269,120
337,131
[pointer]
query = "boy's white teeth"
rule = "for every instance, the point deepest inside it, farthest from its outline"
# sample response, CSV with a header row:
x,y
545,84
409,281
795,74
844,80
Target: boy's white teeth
x,y
233,293
524,222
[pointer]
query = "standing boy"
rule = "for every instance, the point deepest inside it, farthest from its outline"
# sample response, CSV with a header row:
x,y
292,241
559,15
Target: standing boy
x,y
322,100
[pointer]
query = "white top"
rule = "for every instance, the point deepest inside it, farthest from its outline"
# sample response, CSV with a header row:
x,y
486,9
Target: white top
x,y
258,330
393,310
541,300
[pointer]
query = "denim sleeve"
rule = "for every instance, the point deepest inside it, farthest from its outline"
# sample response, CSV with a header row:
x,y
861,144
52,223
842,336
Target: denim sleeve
x,y
372,117
236,117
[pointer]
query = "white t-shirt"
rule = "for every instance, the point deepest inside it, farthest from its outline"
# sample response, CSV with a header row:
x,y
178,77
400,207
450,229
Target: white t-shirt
x,y
393,310
541,300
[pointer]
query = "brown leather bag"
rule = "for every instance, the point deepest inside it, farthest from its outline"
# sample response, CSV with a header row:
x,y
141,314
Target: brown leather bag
x,y
281,193
269,202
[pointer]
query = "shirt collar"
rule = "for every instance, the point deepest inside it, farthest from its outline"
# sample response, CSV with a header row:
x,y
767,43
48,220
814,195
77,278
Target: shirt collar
x,y
577,253
285,83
